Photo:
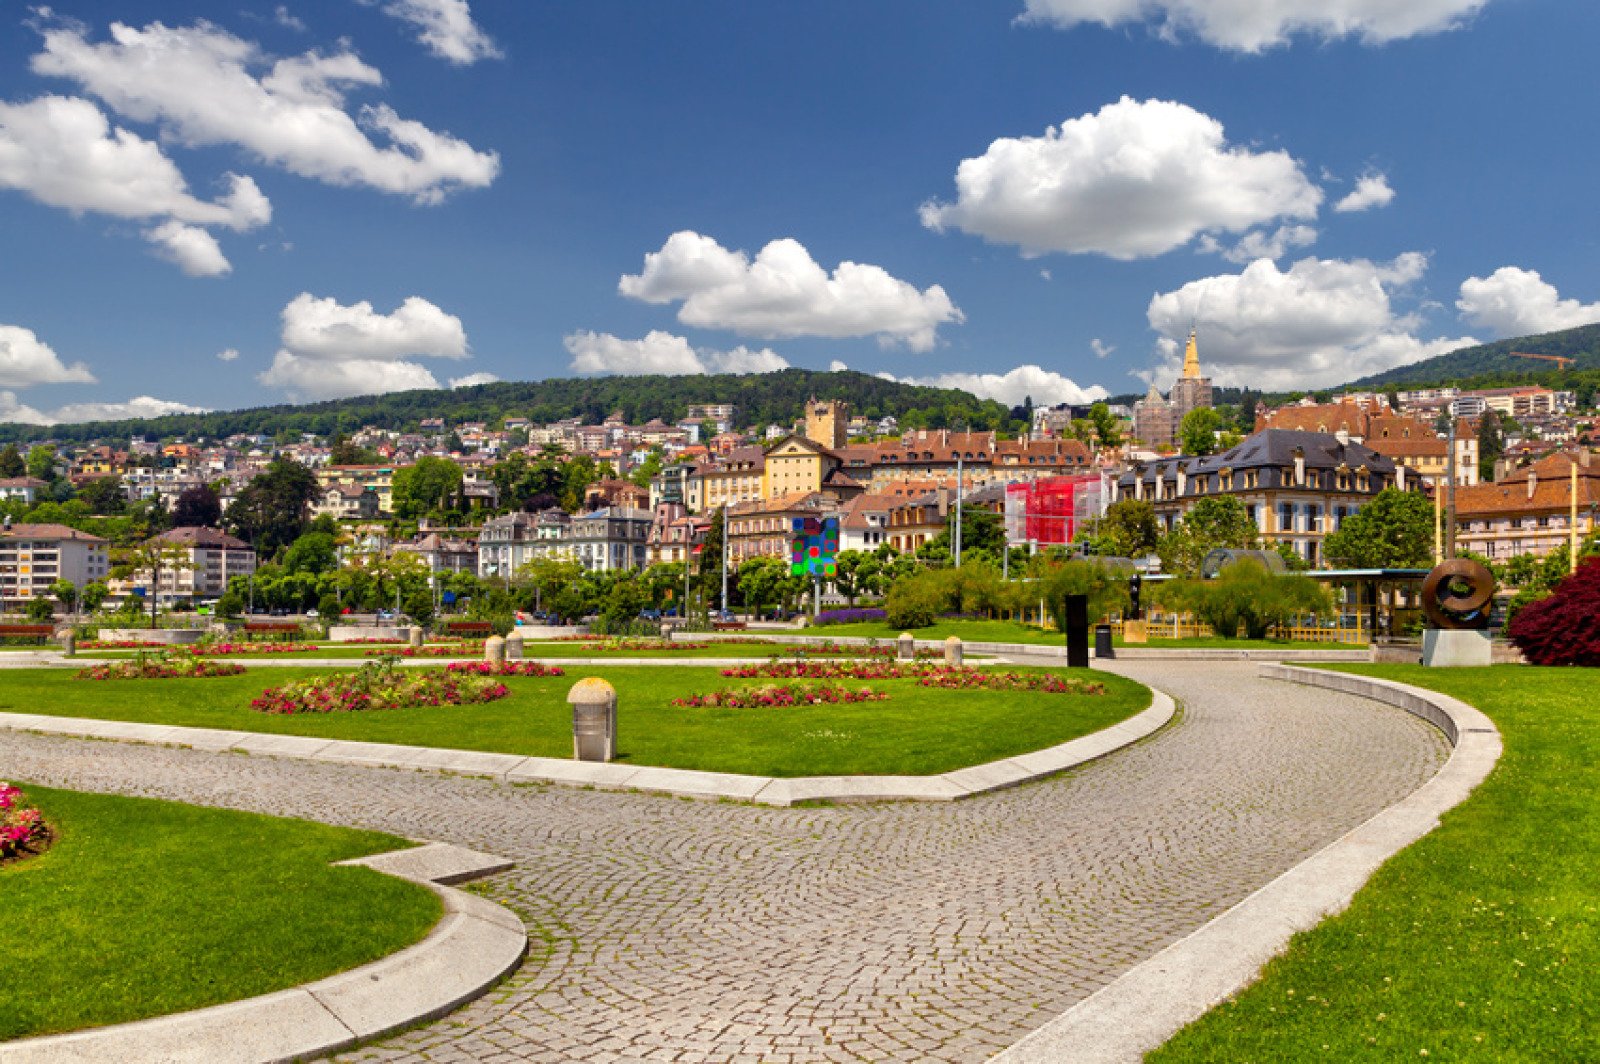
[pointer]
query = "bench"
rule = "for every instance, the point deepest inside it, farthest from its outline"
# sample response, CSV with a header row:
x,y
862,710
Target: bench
x,y
283,628
41,632
728,626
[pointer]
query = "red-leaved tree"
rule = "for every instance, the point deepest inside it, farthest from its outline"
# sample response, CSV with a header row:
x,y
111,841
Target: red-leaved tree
x,y
1564,628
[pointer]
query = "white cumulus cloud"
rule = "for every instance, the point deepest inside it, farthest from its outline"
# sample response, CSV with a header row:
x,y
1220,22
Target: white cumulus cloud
x,y
1047,387
228,354
331,350
204,86
1135,179
13,409
783,293
1260,244
446,29
1516,302
26,360
1320,322
1371,191
62,151
1255,25
473,378
664,353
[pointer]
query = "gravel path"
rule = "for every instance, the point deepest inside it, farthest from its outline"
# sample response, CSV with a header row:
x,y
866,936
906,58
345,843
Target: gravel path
x,y
674,930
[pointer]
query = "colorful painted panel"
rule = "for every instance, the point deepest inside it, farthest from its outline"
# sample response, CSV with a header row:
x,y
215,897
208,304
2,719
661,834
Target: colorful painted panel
x,y
814,547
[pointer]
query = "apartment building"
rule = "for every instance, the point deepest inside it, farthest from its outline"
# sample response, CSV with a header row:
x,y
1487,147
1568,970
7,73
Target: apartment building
x,y
32,557
205,560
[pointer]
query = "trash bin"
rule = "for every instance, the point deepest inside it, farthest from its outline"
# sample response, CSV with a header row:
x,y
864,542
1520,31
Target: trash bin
x,y
1102,642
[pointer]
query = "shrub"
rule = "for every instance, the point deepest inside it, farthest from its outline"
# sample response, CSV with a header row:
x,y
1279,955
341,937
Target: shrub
x,y
1561,629
22,827
913,602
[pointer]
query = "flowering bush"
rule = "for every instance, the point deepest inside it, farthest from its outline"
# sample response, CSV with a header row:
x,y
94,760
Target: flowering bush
x,y
504,668
22,827
976,679
160,667
221,649
446,650
852,616
114,644
376,686
777,695
866,650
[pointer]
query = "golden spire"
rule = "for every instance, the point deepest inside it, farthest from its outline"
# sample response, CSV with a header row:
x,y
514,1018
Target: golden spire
x,y
1191,358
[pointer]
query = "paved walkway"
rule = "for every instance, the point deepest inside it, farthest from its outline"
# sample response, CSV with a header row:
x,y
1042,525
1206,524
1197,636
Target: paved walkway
x,y
675,930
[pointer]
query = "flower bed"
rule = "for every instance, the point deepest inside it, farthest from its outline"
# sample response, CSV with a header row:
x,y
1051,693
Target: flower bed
x,y
23,831
114,644
378,687
830,670
161,667
779,695
607,644
222,649
866,650
504,668
975,679
368,640
449,650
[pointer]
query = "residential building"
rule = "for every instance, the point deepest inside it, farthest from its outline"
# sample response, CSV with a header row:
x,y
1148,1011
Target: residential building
x,y
1297,486
864,522
443,555
609,539
740,477
346,502
721,415
32,557
506,544
763,529
914,521
206,560
380,478
26,489
979,458
1529,511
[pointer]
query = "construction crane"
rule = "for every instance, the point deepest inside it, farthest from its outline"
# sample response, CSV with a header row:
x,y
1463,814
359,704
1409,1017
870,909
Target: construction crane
x,y
1561,361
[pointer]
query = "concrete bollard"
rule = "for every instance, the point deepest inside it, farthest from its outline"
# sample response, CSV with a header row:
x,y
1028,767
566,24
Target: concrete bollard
x,y
952,650
666,631
594,720
908,646
514,646
414,637
69,642
494,650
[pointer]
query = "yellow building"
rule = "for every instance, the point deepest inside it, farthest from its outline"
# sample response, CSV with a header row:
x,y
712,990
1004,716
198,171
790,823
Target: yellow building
x,y
741,477
797,465
376,478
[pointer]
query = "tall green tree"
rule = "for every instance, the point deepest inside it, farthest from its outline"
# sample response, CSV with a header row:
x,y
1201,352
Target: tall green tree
x,y
42,462
1215,521
197,507
1128,530
430,484
270,511
11,463
1491,444
1105,425
1197,433
1393,531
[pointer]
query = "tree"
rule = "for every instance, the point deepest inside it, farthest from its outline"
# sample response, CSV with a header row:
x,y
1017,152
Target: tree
x,y
647,469
1215,521
197,507
314,552
1197,433
1128,530
1393,531
343,452
66,593
1491,444
1105,425
1106,587
270,512
426,486
760,582
1246,593
103,495
42,462
11,463
856,573
92,595
40,610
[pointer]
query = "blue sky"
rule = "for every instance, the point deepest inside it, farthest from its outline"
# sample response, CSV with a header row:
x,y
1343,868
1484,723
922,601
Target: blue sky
x,y
225,205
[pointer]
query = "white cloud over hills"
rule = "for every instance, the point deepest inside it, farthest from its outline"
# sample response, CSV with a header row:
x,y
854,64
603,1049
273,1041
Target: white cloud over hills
x,y
1133,180
331,350
783,293
1320,322
1047,388
1515,302
1256,25
26,360
204,86
663,353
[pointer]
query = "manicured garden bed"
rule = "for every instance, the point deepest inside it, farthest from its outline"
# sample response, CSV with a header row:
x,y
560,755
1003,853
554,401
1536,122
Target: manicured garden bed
x,y
1221,643
971,631
143,908
917,731
1473,943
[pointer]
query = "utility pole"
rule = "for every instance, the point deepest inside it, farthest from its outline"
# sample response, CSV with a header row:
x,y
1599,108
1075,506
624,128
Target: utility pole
x,y
1450,501
724,599
955,538
1572,522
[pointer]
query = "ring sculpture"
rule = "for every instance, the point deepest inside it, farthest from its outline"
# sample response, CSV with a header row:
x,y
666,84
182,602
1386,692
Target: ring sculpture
x,y
1458,594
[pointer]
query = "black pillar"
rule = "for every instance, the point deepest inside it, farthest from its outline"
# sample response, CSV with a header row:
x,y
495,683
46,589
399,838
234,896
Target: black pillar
x,y
1077,616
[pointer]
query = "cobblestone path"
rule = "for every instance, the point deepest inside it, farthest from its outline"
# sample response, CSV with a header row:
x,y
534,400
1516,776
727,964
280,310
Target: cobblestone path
x,y
673,930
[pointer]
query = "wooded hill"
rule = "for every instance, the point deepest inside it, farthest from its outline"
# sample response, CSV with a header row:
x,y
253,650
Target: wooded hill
x,y
1495,362
761,399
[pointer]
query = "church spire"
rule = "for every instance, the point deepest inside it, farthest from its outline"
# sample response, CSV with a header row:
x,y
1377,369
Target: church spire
x,y
1191,358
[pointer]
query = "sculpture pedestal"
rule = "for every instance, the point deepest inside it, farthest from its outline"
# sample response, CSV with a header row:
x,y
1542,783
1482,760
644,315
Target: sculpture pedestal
x,y
1135,632
1449,648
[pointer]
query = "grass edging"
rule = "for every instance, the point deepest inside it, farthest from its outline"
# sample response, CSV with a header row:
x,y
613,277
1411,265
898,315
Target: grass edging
x,y
1151,1002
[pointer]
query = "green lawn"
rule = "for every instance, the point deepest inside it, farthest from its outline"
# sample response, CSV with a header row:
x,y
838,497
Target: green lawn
x,y
975,631
1220,643
1471,944
144,908
553,650
918,731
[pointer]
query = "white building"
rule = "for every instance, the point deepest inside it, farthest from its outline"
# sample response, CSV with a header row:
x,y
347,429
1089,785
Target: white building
x,y
32,557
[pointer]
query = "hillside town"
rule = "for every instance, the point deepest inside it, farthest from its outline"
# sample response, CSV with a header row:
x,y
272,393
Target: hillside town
x,y
488,500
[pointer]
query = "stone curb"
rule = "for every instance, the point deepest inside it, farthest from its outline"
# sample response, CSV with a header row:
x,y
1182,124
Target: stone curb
x,y
475,945
518,768
1155,999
